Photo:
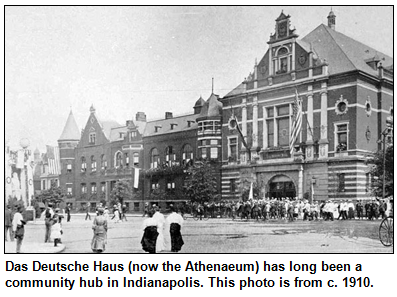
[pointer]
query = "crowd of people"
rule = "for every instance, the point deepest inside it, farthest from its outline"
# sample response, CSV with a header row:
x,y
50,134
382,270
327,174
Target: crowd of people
x,y
292,209
162,233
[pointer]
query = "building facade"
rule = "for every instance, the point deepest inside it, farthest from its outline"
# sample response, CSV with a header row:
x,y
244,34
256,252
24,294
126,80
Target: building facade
x,y
95,159
346,90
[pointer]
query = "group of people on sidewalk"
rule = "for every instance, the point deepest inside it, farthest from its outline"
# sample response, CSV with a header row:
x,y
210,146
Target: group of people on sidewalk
x,y
162,234
159,233
14,226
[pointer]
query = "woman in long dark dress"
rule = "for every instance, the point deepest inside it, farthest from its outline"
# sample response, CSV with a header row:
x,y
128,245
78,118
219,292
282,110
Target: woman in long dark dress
x,y
100,228
150,234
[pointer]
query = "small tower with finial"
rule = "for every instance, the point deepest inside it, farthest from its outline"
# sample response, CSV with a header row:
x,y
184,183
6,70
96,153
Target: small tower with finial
x,y
331,19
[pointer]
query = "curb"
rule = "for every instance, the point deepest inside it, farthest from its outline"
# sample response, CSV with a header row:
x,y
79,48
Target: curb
x,y
33,248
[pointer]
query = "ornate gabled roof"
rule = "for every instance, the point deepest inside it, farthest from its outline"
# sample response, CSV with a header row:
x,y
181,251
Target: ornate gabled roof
x,y
70,131
282,16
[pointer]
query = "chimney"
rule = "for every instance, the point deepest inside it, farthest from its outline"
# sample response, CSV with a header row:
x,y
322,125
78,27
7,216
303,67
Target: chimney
x,y
129,124
168,115
331,20
140,116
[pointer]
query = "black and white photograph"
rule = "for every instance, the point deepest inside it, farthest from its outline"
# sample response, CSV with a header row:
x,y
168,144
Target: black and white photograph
x,y
199,130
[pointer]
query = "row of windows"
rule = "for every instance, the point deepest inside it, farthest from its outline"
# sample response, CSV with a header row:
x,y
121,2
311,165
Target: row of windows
x,y
280,127
170,155
120,160
132,136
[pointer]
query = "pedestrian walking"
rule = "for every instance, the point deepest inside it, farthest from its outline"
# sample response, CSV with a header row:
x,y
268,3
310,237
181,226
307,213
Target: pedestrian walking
x,y
175,221
8,224
18,224
56,230
49,213
123,212
150,233
116,214
100,229
87,214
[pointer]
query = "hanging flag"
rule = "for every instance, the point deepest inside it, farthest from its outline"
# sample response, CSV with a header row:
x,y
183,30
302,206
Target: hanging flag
x,y
136,178
296,121
53,160
251,194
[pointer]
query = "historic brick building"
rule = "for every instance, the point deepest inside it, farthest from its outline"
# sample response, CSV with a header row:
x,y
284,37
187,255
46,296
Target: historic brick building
x,y
173,143
347,93
95,159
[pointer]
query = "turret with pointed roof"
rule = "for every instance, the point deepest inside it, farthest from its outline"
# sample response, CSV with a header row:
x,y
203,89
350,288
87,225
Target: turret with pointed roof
x,y
70,131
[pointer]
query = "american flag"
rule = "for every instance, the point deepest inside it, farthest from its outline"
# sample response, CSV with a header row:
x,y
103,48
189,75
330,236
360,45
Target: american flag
x,y
54,166
297,121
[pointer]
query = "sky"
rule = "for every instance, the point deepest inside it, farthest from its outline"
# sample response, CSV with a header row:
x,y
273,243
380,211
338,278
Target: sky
x,y
152,59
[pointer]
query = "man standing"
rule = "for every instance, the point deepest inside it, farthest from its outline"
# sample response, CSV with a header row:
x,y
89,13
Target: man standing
x,y
67,210
8,223
175,221
18,227
49,213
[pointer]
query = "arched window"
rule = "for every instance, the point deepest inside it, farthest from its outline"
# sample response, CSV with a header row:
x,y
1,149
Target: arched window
x,y
187,153
154,158
104,162
93,163
170,155
282,61
119,159
83,164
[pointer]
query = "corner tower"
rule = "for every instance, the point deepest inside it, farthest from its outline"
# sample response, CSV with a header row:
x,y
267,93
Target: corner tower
x,y
67,143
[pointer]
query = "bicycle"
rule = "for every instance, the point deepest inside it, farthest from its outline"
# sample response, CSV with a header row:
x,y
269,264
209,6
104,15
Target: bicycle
x,y
386,231
200,216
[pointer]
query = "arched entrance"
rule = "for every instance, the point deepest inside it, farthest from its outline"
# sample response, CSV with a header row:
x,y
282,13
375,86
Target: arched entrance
x,y
281,186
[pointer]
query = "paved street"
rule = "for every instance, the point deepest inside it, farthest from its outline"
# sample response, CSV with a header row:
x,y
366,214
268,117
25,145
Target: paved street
x,y
227,236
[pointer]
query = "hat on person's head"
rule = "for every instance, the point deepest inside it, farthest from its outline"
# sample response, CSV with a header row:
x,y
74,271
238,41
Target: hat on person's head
x,y
57,209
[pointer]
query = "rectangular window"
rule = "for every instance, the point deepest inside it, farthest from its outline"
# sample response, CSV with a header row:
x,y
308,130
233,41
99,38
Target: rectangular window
x,y
103,187
233,149
133,134
283,131
136,159
341,182
136,206
92,138
341,136
283,110
203,152
83,188
69,168
127,159
214,152
69,190
270,133
270,112
43,185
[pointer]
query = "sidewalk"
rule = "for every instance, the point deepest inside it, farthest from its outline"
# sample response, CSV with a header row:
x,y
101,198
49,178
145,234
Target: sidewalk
x,y
33,247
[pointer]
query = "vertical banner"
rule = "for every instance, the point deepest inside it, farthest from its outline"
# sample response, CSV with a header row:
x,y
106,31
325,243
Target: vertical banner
x,y
251,194
136,178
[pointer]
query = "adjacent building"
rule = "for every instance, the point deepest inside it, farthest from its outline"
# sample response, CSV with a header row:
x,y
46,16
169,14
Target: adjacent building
x,y
346,89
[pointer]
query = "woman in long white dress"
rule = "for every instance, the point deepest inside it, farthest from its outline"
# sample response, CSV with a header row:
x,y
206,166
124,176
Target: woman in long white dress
x,y
159,217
